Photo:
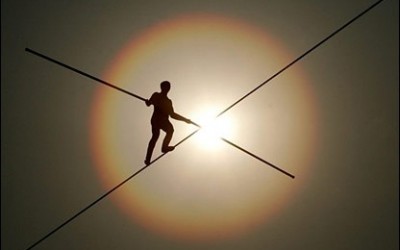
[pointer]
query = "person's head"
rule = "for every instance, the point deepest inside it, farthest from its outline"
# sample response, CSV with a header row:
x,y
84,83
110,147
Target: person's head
x,y
165,86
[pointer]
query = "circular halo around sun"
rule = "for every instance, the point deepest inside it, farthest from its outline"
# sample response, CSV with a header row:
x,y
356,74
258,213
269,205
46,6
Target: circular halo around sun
x,y
202,191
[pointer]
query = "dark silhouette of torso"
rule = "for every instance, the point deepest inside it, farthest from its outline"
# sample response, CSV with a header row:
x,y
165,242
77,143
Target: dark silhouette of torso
x,y
162,110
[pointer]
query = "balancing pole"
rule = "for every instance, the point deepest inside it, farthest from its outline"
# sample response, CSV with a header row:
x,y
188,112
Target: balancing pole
x,y
84,73
251,154
143,99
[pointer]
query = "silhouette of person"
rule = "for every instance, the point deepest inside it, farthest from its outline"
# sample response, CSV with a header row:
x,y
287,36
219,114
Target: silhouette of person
x,y
163,109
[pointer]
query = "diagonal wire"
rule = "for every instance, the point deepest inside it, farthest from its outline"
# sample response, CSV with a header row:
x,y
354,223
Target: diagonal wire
x,y
104,195
300,57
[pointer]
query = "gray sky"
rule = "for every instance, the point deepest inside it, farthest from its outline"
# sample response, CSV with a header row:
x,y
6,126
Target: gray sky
x,y
331,120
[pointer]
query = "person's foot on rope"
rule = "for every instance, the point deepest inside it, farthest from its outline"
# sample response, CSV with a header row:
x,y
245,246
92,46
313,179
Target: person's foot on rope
x,y
167,149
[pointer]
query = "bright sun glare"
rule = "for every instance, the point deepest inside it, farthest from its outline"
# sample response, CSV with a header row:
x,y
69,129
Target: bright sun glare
x,y
212,129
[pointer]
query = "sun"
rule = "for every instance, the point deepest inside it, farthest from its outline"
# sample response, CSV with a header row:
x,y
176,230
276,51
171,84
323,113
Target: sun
x,y
212,128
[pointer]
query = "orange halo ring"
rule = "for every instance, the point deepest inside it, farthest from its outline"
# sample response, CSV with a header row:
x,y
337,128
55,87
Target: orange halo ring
x,y
135,203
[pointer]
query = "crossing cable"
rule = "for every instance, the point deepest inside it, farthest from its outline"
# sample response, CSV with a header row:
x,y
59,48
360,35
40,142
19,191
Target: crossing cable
x,y
136,173
140,170
105,195
143,99
300,57
222,112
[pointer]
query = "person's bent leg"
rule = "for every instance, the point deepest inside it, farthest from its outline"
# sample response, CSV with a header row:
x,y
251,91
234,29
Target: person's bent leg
x,y
169,130
152,144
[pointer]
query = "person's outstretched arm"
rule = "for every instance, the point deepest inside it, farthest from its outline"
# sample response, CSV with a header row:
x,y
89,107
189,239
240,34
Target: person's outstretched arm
x,y
177,116
180,118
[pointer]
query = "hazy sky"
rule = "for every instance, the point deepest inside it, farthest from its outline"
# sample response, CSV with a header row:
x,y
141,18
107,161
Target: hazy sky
x,y
331,120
